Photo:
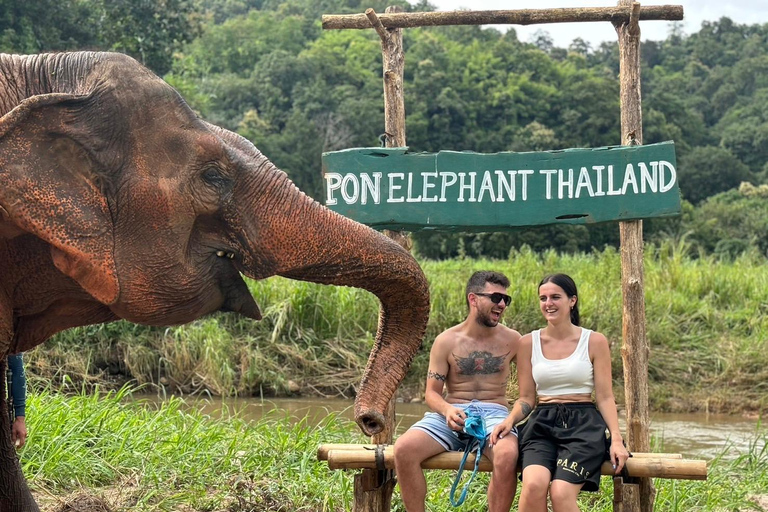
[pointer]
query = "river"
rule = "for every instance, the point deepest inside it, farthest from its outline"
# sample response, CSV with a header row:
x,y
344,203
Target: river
x,y
692,435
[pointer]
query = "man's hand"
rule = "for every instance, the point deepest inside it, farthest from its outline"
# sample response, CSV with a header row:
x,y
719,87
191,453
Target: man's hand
x,y
19,432
454,418
501,430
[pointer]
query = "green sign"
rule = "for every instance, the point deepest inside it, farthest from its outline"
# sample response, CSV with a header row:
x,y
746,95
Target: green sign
x,y
391,188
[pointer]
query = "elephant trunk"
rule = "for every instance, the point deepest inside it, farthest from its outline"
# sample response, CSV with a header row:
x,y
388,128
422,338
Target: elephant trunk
x,y
311,243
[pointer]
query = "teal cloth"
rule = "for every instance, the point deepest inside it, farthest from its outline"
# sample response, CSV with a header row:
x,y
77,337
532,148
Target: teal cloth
x,y
474,430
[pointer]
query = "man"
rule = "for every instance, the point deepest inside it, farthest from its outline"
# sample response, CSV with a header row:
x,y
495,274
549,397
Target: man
x,y
471,361
17,392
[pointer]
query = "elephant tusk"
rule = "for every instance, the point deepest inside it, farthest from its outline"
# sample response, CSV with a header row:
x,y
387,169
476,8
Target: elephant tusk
x,y
220,254
231,255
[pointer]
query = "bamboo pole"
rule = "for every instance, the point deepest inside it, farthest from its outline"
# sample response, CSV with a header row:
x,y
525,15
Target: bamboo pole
x,y
646,467
324,449
392,19
635,349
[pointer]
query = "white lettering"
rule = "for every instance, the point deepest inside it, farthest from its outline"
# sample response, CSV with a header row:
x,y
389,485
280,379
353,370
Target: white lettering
x,y
392,187
649,178
525,173
611,191
427,185
584,181
350,198
549,173
486,186
665,186
562,184
599,169
449,179
372,187
412,199
509,186
332,182
629,178
467,186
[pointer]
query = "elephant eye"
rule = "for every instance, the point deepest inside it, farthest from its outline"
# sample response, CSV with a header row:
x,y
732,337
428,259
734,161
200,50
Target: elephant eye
x,y
212,176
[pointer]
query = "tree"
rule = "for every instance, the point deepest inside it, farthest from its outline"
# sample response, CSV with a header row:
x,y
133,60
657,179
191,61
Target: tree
x,y
708,170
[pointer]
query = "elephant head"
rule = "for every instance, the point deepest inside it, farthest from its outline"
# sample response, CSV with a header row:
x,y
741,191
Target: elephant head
x,y
109,175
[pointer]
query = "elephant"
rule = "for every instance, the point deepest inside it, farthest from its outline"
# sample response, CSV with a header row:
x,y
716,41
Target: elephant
x,y
118,202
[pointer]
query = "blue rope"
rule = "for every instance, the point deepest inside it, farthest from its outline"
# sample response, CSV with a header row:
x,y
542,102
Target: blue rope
x,y
474,427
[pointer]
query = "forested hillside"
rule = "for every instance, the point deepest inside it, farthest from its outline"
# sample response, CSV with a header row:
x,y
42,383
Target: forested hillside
x,y
266,69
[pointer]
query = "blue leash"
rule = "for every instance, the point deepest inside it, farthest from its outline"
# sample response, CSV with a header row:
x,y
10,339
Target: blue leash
x,y
474,427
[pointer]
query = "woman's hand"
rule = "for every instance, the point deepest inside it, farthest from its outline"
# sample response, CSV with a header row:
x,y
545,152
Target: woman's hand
x,y
19,432
501,430
619,454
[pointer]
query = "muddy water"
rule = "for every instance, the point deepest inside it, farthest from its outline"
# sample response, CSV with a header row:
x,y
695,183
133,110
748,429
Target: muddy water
x,y
693,435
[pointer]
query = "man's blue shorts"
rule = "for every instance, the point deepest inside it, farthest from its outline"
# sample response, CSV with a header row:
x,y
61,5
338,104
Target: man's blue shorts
x,y
434,424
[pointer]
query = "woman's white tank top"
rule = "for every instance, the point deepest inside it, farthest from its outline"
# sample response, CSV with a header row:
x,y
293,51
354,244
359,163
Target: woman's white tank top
x,y
571,375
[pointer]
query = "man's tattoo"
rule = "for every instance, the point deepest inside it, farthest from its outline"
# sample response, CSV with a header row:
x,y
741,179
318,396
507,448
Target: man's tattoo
x,y
435,375
480,363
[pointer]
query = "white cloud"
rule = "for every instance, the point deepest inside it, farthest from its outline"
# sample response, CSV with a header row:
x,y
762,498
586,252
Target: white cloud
x,y
696,11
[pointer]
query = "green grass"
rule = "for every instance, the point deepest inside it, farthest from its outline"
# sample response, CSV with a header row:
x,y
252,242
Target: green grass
x,y
706,324
139,456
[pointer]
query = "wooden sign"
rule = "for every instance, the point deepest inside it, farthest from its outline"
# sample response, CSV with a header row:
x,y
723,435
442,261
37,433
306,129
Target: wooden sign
x,y
393,189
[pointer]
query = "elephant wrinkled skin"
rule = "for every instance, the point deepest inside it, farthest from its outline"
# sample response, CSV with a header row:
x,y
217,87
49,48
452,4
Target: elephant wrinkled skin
x,y
118,202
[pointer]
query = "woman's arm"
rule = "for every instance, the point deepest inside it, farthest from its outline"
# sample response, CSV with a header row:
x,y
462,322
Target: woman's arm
x,y
18,385
527,388
600,353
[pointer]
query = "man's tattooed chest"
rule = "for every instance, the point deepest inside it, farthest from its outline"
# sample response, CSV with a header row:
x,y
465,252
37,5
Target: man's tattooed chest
x,y
480,363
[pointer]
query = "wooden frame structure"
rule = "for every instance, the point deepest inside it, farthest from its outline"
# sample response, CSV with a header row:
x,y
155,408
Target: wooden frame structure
x,y
373,488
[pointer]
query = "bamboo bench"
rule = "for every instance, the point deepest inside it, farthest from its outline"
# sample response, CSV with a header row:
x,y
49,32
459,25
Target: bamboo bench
x,y
640,465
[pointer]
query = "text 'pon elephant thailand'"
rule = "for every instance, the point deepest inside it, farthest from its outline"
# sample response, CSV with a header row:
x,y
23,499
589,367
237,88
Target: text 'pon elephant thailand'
x,y
118,202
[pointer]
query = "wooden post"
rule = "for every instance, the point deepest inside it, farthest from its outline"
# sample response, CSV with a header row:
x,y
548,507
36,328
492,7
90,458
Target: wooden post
x,y
635,350
393,60
373,487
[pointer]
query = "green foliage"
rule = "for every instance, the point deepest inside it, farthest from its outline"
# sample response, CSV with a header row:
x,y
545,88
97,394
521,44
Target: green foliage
x,y
708,170
137,455
169,456
701,325
148,30
732,222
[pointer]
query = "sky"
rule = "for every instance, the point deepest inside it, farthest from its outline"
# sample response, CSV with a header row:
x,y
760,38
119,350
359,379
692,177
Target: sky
x,y
695,11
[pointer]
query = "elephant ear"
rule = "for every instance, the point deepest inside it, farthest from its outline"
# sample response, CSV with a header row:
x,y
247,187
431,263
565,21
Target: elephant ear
x,y
49,187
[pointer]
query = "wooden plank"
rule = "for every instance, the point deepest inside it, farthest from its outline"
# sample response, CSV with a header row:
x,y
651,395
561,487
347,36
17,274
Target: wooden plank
x,y
393,189
516,17
323,449
681,469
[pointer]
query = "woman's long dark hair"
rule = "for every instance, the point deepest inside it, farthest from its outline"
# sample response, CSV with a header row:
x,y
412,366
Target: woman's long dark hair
x,y
569,287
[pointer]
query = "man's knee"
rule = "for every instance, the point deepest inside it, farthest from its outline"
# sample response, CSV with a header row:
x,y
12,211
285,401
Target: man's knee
x,y
505,457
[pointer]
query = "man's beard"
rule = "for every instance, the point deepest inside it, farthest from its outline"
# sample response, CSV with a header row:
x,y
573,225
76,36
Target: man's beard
x,y
486,320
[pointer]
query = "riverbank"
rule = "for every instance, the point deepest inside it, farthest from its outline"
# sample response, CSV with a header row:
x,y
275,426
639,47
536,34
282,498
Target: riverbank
x,y
706,324
106,453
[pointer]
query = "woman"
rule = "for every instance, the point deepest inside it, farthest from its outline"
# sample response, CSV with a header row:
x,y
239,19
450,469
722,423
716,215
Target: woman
x,y
565,439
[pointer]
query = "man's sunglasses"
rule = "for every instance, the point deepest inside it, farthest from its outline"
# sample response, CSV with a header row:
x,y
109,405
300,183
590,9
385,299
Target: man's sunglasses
x,y
496,297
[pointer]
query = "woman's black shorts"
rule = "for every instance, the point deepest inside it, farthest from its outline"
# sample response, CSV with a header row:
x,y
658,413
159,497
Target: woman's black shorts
x,y
571,440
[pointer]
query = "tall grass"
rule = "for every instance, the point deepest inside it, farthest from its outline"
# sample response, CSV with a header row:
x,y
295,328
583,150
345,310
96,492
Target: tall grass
x,y
144,457
706,324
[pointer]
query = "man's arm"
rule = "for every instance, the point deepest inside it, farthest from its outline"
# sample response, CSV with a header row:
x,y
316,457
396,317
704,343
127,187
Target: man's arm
x,y
437,377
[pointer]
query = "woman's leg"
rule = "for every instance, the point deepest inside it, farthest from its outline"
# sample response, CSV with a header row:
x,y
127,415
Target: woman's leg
x,y
563,495
533,496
